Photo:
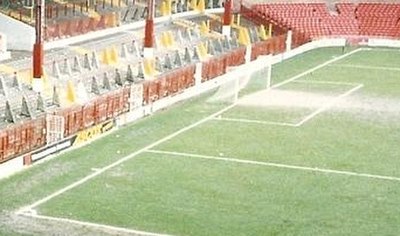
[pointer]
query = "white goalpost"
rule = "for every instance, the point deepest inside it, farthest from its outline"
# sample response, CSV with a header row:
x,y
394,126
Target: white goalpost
x,y
243,80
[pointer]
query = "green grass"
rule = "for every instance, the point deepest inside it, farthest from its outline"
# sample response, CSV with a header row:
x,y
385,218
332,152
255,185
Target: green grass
x,y
184,196
376,58
270,114
44,179
306,61
324,87
192,196
377,82
329,141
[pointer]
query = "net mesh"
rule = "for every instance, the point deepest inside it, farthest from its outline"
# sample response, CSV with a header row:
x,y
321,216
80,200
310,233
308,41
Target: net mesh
x,y
243,80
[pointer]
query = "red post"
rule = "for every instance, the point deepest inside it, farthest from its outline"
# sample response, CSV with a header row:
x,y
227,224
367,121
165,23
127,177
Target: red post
x,y
50,12
228,12
38,54
149,28
149,34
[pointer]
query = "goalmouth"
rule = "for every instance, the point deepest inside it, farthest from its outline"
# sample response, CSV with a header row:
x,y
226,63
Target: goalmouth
x,y
243,80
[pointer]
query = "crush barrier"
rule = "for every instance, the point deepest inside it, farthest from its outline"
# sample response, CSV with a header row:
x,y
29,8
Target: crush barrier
x,y
216,66
21,138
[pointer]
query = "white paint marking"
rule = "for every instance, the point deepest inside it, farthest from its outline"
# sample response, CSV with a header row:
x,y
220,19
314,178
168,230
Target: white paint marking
x,y
95,169
323,108
367,67
329,105
94,225
294,79
126,158
314,69
324,82
271,164
255,121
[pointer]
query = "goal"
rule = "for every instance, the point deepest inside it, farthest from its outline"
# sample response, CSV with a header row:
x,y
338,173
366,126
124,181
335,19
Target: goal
x,y
243,80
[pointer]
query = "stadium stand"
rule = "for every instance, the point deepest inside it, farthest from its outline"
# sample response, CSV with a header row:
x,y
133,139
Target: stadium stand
x,y
379,19
85,89
347,19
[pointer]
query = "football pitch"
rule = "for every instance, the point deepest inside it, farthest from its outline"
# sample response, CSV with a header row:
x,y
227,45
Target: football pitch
x,y
316,154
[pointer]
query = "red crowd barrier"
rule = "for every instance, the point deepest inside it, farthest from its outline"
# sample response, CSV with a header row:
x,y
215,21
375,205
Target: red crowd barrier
x,y
216,66
213,67
236,57
168,84
274,45
100,109
299,38
22,138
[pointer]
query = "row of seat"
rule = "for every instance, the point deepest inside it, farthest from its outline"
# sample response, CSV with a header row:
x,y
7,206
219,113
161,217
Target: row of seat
x,y
315,19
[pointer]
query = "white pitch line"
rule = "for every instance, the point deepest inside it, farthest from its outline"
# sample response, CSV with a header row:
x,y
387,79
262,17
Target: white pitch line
x,y
284,166
295,79
328,105
255,121
324,82
367,67
315,68
124,159
94,225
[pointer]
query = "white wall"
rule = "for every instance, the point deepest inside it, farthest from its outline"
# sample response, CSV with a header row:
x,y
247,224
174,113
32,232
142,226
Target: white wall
x,y
3,48
3,43
383,43
20,36
11,166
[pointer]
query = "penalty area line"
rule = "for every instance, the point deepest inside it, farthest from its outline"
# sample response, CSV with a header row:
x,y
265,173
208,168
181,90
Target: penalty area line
x,y
278,165
294,79
307,118
92,225
328,105
254,121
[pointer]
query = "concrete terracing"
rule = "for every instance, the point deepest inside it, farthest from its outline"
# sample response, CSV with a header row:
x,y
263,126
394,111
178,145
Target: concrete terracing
x,y
78,70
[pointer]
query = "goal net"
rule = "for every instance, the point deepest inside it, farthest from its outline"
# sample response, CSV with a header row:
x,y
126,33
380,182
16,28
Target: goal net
x,y
243,80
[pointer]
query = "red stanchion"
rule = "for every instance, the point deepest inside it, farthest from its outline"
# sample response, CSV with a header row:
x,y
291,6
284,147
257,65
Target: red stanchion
x,y
102,23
